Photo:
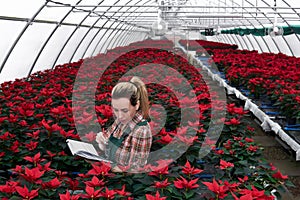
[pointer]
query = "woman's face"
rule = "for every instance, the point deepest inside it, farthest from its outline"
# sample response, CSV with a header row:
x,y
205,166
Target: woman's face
x,y
123,110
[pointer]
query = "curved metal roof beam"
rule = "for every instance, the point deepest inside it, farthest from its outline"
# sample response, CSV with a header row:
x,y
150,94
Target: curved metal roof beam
x,y
130,16
114,12
78,25
118,24
259,22
96,46
131,38
218,21
253,27
20,35
288,26
297,36
126,38
243,38
269,6
250,23
91,41
293,9
50,36
228,38
85,35
99,31
234,37
119,38
95,7
71,35
131,28
119,35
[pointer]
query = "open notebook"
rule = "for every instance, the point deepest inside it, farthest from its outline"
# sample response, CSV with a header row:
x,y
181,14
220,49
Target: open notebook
x,y
85,150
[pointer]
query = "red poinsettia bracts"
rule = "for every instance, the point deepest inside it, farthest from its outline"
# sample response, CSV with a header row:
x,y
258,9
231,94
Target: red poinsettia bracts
x,y
91,193
39,113
25,193
182,183
68,196
100,168
189,170
155,197
215,187
95,182
161,184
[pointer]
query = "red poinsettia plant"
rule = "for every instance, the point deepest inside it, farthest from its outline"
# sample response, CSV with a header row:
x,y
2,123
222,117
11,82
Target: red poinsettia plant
x,y
36,117
267,76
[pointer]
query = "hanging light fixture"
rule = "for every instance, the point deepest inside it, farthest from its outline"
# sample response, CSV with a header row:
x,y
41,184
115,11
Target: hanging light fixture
x,y
159,27
217,30
275,30
187,37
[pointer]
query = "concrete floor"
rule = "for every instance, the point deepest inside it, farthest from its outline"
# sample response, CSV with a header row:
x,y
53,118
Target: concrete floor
x,y
277,153
283,159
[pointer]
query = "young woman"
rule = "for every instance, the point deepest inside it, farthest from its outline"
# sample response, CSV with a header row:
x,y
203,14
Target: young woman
x,y
128,141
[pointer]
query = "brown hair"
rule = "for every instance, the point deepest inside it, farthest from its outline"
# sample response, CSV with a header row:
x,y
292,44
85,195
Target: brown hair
x,y
135,90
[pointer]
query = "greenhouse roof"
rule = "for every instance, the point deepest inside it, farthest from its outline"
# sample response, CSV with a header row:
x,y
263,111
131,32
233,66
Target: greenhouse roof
x,y
40,34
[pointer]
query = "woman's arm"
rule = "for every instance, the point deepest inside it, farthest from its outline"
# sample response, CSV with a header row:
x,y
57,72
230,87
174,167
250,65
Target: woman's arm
x,y
141,144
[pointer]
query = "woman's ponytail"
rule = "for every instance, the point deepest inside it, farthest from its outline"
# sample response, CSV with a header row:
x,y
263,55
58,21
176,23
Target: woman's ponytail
x,y
143,96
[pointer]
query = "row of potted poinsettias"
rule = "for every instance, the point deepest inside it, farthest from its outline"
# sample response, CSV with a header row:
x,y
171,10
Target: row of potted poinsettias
x,y
273,76
204,47
37,116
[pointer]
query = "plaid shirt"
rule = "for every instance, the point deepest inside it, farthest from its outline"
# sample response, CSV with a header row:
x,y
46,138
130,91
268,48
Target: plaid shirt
x,y
135,148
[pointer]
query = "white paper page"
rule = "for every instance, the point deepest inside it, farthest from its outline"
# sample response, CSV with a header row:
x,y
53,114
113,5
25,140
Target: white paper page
x,y
76,146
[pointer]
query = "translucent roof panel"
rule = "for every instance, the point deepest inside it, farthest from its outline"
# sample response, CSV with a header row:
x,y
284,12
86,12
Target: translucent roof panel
x,y
44,33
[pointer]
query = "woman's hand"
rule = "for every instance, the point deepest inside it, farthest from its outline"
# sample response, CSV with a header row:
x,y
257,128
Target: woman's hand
x,y
116,169
122,169
101,140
